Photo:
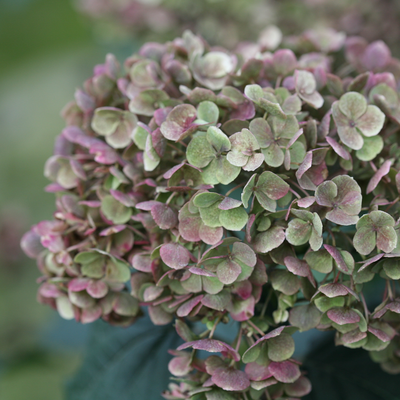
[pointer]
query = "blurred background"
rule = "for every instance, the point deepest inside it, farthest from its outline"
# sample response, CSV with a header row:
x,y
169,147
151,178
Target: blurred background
x,y
47,49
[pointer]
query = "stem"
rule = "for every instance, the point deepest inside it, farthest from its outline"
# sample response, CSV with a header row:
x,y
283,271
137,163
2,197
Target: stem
x,y
392,204
171,197
298,187
233,189
267,394
266,303
108,248
256,328
390,290
182,143
176,149
366,312
240,334
332,236
214,326
295,193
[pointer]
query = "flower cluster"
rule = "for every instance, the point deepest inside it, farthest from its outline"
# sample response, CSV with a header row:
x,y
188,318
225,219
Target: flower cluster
x,y
217,20
225,22
254,186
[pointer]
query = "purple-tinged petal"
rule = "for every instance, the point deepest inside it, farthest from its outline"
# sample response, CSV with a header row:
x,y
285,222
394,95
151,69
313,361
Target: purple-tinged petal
x,y
78,284
212,346
31,245
382,171
50,290
180,366
175,255
164,216
338,149
186,308
342,316
159,316
286,371
230,379
300,388
91,314
306,202
257,372
97,288
178,122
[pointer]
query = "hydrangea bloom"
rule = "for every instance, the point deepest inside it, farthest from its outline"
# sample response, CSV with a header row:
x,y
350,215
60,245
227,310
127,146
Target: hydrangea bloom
x,y
225,187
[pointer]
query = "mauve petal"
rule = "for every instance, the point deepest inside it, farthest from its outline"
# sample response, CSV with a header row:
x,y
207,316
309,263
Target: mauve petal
x,y
230,379
342,315
31,245
175,255
78,284
285,371
371,123
91,314
97,289
257,372
212,346
382,171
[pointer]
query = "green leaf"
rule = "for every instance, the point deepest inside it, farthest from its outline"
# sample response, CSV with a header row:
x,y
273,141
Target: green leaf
x,y
120,361
351,370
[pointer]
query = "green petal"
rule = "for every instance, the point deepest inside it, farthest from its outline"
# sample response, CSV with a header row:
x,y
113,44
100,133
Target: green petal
x,y
200,153
298,232
219,141
106,120
234,219
364,240
248,190
211,215
114,210
281,347
371,148
226,172
371,123
208,112
353,105
273,155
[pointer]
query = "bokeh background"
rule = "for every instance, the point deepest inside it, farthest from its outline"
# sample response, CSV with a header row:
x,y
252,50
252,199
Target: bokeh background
x,y
47,49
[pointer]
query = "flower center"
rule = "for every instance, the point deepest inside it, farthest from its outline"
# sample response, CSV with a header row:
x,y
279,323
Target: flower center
x,y
352,124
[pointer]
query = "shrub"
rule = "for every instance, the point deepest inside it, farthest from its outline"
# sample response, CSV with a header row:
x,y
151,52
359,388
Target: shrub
x,y
250,186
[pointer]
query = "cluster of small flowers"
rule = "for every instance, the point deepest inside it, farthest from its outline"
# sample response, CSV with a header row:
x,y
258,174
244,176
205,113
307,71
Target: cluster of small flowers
x,y
225,22
221,21
259,185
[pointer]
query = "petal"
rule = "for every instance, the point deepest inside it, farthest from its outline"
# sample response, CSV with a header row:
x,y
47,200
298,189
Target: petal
x,y
353,105
273,155
364,240
350,137
371,123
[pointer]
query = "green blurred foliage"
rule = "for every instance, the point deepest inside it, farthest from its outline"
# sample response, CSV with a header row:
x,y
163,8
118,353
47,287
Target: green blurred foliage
x,y
45,53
